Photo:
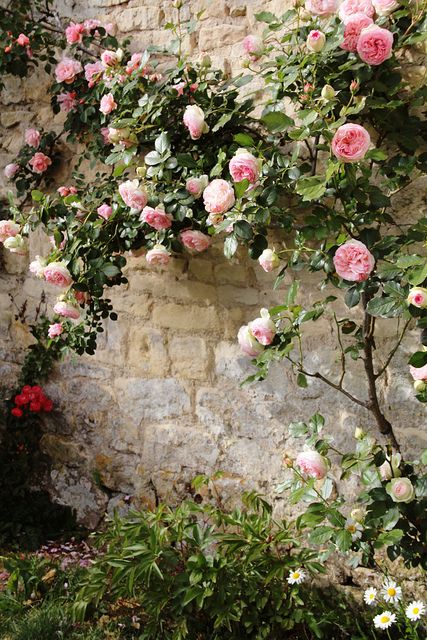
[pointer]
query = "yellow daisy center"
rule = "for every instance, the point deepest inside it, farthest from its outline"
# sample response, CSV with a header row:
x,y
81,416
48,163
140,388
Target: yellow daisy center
x,y
371,596
384,619
415,610
351,528
391,591
296,575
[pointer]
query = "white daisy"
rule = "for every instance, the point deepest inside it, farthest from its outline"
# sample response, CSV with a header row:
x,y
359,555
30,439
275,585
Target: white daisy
x,y
415,610
384,620
297,576
355,528
391,592
370,595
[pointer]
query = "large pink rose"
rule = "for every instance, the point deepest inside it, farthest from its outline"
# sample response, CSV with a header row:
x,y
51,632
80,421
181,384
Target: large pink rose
x,y
195,240
195,186
11,169
269,260
67,69
350,7
8,229
312,464
385,7
107,104
218,197
321,7
67,310
244,166
158,256
194,120
93,72
351,142
32,137
74,33
248,343
418,297
66,101
375,45
418,373
254,46
353,28
156,218
40,162
401,490
263,328
134,196
57,273
104,211
353,261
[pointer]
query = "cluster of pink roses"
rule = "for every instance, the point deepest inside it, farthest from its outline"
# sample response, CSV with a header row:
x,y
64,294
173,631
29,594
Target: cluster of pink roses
x,y
39,163
75,31
255,335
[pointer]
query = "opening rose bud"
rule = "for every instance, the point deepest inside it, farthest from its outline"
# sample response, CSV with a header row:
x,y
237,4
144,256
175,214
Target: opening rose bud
x,y
67,310
418,297
194,120
16,244
401,490
269,260
254,46
11,169
420,386
263,328
328,92
248,343
158,256
316,41
312,464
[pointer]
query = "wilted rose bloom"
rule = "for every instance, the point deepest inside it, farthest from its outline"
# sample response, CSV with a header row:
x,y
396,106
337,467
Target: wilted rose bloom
x,y
269,260
158,255
105,133
214,219
316,40
418,297
390,467
110,58
91,25
321,7
156,218
195,240
133,195
375,45
418,373
57,273
67,69
104,211
353,261
401,490
194,120
350,7
195,186
74,32
37,267
351,142
244,166
32,137
385,7
11,169
8,229
40,162
66,191
134,63
16,244
93,72
67,310
23,40
218,197
254,46
353,28
119,135
66,101
107,104
248,343
263,328
312,464
55,330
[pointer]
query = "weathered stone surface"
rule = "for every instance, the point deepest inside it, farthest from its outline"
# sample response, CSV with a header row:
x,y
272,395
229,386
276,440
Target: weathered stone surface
x,y
154,399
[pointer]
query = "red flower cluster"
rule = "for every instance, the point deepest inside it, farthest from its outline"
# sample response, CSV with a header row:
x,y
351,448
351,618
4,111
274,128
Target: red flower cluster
x,y
33,399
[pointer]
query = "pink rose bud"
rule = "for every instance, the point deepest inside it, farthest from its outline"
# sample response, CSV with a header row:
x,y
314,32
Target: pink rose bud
x,y
133,196
67,101
194,120
66,191
16,244
269,260
418,373
353,261
55,330
350,7
74,33
37,267
104,211
67,310
107,104
316,40
156,218
354,86
40,162
244,166
400,490
385,7
23,40
32,137
158,256
11,169
418,297
8,229
248,343
312,464
353,28
254,46
57,273
375,45
321,7
67,69
195,240
196,186
218,197
351,143
263,328
390,467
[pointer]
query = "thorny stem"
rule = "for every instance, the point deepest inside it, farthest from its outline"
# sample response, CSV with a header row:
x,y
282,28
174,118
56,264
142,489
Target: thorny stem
x,y
393,351
342,354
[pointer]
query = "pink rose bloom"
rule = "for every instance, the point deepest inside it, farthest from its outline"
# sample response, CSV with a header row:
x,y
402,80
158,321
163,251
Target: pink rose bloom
x,y
312,464
74,32
32,137
132,195
105,133
93,71
385,7
263,328
107,104
110,58
375,45
316,40
195,240
248,343
23,40
66,101
67,69
418,373
244,166
11,169
55,330
195,186
269,260
350,7
254,46
401,490
37,267
91,25
134,63
67,310
158,256
8,229
354,25
351,142
194,120
57,273
40,162
156,218
66,191
104,211
321,7
218,197
418,297
353,261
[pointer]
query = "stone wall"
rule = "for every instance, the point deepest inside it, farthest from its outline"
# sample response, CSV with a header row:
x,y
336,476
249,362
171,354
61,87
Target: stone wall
x,y
161,400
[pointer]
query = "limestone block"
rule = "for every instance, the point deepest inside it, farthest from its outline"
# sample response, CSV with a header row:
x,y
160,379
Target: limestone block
x,y
230,296
138,18
186,317
147,351
201,269
211,36
62,450
229,273
189,357
74,490
152,399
